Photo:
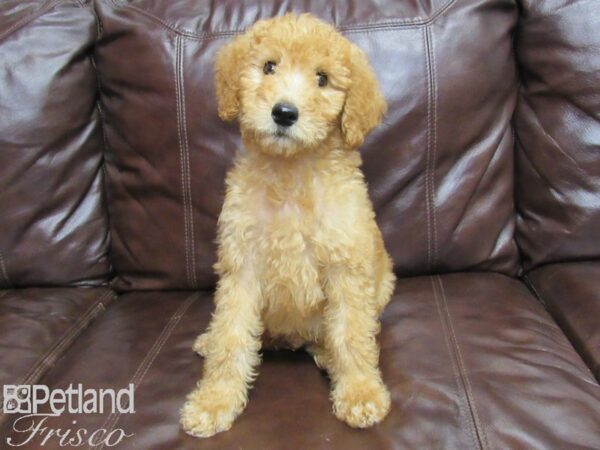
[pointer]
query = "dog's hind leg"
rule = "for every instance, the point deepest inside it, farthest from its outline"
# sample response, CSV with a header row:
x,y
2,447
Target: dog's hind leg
x,y
385,279
319,354
202,344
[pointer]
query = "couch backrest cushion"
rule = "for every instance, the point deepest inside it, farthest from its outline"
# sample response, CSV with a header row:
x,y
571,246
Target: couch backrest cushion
x,y
558,132
440,169
53,224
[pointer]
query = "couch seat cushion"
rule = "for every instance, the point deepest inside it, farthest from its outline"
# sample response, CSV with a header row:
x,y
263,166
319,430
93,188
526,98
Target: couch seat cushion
x,y
571,292
38,325
472,361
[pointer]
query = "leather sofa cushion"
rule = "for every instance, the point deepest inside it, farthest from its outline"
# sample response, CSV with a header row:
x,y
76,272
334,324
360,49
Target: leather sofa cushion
x,y
558,132
571,291
472,361
53,223
38,325
440,169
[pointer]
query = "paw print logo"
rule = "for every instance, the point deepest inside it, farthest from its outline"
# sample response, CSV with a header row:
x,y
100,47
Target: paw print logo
x,y
23,392
10,406
17,399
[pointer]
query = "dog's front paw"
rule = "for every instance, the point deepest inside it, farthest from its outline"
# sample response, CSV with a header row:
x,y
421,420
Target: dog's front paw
x,y
361,404
208,412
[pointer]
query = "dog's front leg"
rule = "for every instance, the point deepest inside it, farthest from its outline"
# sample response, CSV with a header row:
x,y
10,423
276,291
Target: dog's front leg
x,y
230,359
350,319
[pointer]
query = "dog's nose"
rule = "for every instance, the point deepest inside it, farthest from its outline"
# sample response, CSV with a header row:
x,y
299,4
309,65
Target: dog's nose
x,y
284,114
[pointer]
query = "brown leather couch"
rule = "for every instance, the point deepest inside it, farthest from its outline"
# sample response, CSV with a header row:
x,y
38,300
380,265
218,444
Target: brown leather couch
x,y
485,177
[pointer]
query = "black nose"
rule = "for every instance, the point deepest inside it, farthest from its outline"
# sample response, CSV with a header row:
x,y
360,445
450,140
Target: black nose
x,y
284,114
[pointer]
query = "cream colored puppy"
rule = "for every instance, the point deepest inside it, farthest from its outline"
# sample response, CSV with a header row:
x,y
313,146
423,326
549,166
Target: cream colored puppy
x,y
300,257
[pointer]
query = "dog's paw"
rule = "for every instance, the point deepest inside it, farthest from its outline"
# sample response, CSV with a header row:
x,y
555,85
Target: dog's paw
x,y
207,413
201,344
361,404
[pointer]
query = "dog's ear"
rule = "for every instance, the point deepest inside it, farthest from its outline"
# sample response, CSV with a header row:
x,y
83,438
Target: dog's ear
x,y
365,106
231,58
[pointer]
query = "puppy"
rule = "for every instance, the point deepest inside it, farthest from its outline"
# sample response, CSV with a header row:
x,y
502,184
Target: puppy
x,y
300,257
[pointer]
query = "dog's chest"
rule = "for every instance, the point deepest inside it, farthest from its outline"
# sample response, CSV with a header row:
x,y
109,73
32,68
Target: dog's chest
x,y
289,255
286,237
295,224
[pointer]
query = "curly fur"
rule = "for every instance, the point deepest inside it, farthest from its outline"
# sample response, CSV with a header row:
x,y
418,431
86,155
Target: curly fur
x,y
300,257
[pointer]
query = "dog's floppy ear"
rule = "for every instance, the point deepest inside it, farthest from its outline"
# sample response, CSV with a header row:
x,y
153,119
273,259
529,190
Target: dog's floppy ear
x,y
230,60
365,105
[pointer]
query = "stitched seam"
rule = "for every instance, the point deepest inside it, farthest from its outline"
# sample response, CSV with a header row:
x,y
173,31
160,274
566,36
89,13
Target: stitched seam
x,y
4,271
463,404
368,31
29,18
150,357
68,339
49,357
148,360
179,48
176,79
431,142
428,158
479,428
180,32
186,148
433,145
182,171
399,23
184,191
64,340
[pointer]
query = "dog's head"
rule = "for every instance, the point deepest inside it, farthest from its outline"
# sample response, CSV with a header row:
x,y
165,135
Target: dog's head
x,y
292,81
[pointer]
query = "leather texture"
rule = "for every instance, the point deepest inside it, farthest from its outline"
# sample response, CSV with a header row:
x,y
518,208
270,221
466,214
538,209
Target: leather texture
x,y
37,325
440,169
571,292
472,361
53,221
112,162
558,132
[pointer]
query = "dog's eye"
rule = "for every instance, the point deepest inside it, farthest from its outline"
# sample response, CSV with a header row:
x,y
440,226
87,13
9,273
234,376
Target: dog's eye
x,y
322,77
269,67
